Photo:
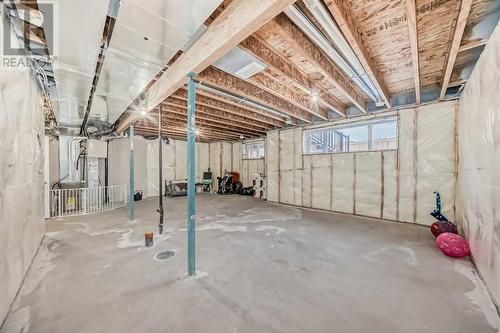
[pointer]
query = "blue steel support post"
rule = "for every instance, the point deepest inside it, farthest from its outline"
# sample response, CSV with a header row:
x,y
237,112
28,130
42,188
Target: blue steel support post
x,y
191,136
131,179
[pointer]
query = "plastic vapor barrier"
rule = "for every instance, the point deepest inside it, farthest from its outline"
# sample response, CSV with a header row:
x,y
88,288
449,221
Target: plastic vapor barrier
x,y
392,184
478,204
343,182
368,189
21,179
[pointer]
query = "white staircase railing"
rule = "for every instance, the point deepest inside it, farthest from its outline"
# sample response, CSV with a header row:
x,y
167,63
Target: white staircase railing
x,y
82,201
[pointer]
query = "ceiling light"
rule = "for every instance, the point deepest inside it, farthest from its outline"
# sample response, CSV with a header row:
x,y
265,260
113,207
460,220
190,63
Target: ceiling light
x,y
143,113
379,103
314,94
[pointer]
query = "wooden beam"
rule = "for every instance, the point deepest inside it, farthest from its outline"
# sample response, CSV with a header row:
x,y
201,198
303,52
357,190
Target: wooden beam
x,y
178,106
240,19
413,34
211,101
222,80
472,44
282,66
455,44
303,45
349,26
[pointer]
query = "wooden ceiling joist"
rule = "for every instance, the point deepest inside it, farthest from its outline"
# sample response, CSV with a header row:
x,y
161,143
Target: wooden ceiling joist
x,y
472,44
179,134
242,106
279,64
303,45
222,117
222,80
174,109
413,34
455,44
212,101
179,126
269,84
349,26
172,118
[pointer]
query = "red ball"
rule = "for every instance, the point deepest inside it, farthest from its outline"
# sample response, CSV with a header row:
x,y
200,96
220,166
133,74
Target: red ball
x,y
452,245
439,227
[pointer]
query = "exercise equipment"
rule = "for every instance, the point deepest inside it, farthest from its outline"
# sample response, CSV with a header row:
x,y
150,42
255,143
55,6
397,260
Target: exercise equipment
x,y
442,224
229,183
207,181
452,245
176,189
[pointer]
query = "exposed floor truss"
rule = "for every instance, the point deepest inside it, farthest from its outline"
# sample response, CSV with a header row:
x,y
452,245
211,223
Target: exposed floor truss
x,y
305,76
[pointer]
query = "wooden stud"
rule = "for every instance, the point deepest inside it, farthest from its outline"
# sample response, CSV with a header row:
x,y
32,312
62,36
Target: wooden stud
x,y
455,44
412,29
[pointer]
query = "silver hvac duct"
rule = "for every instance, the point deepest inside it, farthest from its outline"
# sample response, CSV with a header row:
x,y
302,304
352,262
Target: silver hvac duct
x,y
346,59
240,100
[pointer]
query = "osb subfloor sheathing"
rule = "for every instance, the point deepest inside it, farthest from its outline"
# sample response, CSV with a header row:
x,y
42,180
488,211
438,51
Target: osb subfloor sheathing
x,y
262,267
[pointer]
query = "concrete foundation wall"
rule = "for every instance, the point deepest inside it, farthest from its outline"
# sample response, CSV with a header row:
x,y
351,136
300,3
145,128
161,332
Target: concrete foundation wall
x,y
479,170
21,179
394,184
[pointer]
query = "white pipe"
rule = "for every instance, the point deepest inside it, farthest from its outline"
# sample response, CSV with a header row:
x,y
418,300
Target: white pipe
x,y
350,65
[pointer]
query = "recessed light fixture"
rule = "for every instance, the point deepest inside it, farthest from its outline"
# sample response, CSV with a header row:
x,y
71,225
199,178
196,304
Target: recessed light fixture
x,y
143,113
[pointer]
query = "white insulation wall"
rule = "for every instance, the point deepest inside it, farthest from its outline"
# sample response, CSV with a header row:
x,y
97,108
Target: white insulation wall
x,y
394,185
21,180
479,164
146,162
218,156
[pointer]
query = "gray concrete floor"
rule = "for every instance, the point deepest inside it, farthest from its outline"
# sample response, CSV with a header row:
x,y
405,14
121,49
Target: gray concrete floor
x,y
262,267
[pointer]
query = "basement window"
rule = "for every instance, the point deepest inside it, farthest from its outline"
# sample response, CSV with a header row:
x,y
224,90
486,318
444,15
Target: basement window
x,y
253,150
373,135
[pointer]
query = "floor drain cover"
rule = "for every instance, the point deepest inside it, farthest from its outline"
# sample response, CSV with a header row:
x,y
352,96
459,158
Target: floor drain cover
x,y
165,255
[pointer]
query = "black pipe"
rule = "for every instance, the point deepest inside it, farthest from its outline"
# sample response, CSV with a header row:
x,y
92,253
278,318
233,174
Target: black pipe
x,y
160,167
106,175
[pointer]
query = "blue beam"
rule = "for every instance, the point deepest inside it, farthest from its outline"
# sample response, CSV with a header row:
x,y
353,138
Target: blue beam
x,y
131,175
191,136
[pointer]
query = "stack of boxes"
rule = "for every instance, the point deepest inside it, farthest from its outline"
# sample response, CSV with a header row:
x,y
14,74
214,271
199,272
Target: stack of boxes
x,y
259,186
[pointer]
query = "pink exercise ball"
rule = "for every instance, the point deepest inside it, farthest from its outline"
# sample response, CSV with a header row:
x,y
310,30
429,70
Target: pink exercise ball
x,y
452,245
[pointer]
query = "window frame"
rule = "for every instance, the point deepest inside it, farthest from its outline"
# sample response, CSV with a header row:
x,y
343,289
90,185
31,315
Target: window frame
x,y
254,142
369,123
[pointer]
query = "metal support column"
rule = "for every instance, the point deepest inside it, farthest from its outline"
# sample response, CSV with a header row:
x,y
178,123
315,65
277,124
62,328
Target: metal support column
x,y
160,167
131,179
191,136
